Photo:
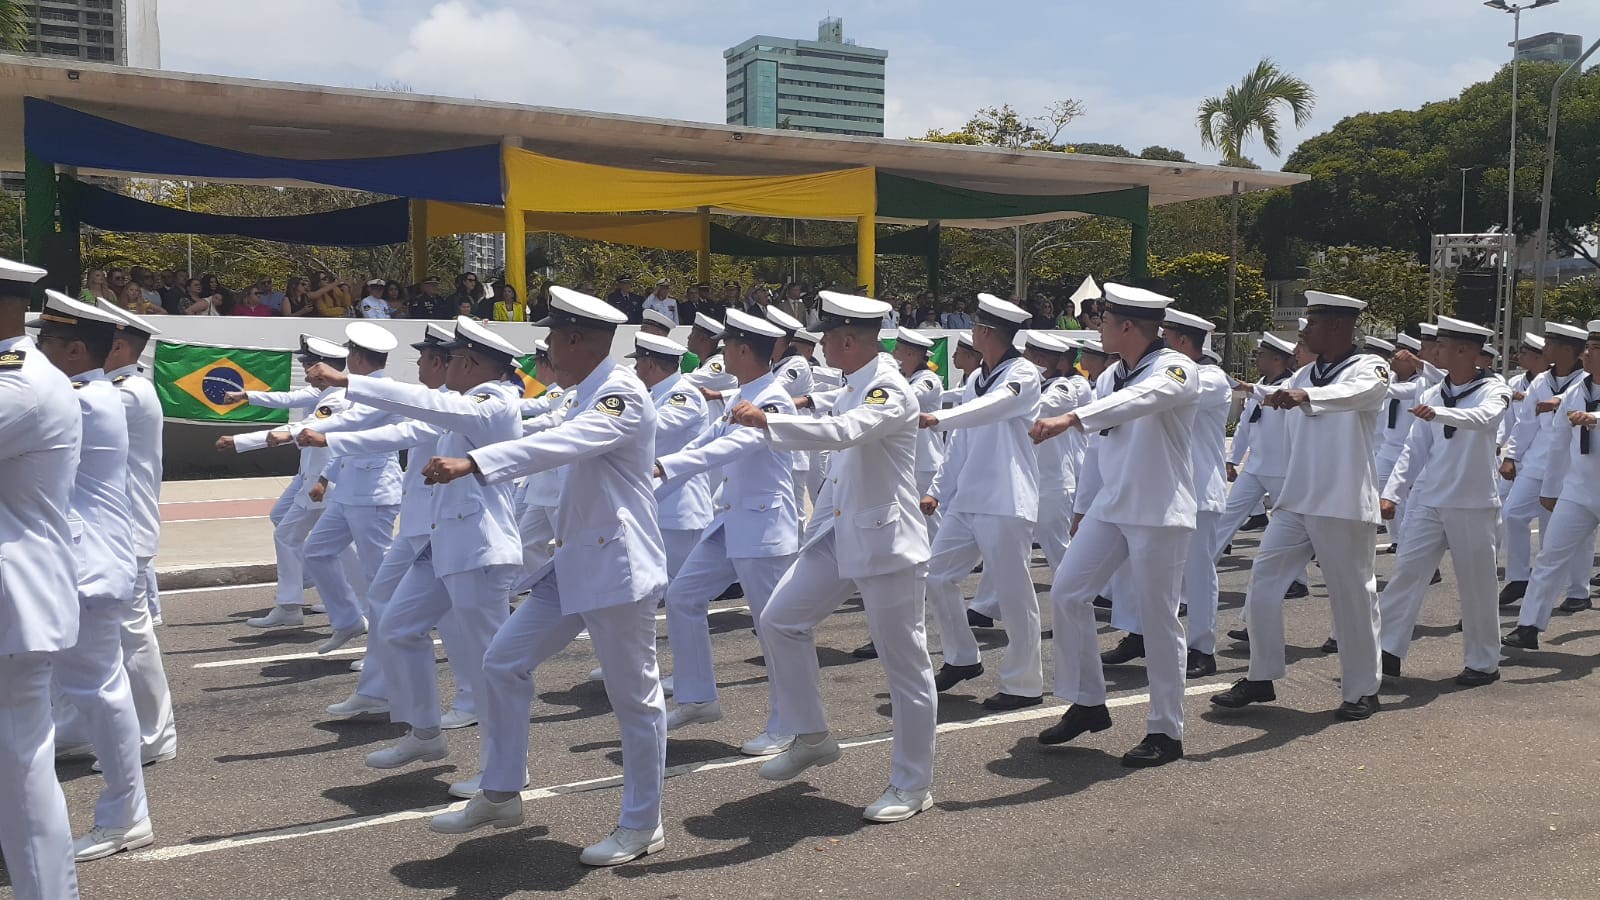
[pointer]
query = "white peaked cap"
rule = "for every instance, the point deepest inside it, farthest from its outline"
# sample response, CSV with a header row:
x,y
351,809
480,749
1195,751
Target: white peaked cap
x,y
371,337
914,338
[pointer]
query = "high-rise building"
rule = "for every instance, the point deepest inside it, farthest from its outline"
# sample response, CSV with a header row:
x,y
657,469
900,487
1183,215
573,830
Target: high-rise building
x,y
1550,47
485,253
829,84
123,32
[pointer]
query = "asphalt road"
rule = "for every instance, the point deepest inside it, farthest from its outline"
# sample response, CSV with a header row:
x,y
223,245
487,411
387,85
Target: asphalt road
x,y
1448,792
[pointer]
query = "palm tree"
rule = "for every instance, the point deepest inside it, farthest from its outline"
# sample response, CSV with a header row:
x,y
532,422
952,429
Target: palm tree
x,y
1250,108
13,28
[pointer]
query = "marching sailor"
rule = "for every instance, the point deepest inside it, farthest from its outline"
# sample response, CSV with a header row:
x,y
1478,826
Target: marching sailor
x,y
683,509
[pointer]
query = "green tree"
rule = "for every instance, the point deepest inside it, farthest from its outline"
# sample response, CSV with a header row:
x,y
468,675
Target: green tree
x,y
1392,282
1199,282
1228,122
13,26
1003,126
1156,151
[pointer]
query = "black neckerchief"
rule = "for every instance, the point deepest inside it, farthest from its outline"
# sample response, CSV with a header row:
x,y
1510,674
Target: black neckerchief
x,y
1324,373
1451,399
987,377
1394,407
1122,374
1590,405
1558,391
1255,414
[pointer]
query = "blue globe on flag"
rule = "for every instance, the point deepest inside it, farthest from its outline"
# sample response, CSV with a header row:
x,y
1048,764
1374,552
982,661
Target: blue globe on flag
x,y
221,381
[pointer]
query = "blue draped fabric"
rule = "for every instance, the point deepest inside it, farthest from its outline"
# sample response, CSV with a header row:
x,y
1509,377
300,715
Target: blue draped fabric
x,y
388,222
67,137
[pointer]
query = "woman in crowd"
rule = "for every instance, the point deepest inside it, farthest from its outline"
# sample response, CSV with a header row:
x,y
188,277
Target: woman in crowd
x,y
507,305
539,303
96,287
331,298
250,304
201,303
467,289
395,296
132,300
210,284
296,299
906,317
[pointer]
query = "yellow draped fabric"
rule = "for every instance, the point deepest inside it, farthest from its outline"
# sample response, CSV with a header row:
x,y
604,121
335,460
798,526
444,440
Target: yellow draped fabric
x,y
667,231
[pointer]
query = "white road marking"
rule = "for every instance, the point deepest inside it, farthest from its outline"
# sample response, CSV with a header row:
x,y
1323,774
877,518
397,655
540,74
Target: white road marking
x,y
296,832
220,587
217,519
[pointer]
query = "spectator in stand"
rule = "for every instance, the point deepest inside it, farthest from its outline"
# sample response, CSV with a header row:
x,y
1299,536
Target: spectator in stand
x,y
757,301
269,298
172,291
373,306
133,301
146,280
203,304
586,286
930,319
117,278
508,306
394,294
1091,322
661,301
96,287
906,315
699,299
1044,314
211,284
626,301
794,300
464,308
468,290
296,299
427,302
1065,320
332,297
250,304
960,317
730,296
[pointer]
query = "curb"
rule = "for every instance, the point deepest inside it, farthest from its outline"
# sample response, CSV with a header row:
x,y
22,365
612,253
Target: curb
x,y
189,577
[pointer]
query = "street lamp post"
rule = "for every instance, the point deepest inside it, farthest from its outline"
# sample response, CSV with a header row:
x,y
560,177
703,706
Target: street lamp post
x,y
1464,171
1542,242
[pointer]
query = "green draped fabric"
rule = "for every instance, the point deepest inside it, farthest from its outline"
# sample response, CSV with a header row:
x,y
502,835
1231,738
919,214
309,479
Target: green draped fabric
x,y
909,198
906,242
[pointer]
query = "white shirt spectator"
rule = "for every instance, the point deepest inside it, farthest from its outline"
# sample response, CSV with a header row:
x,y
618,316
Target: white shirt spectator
x,y
958,320
373,308
664,305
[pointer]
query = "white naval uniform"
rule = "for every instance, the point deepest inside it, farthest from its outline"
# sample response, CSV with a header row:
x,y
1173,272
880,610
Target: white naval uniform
x,y
358,512
1211,500
541,491
865,535
988,490
1057,470
752,538
684,507
373,308
1566,543
40,433
1454,505
90,672
608,573
473,548
928,390
1328,508
1263,434
1142,514
1394,426
793,374
1529,444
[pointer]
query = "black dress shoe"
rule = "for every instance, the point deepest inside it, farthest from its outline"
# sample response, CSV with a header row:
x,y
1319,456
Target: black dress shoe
x,y
1183,610
1075,721
1242,635
1329,646
1102,602
1437,577
1512,592
1245,692
1595,581
1357,710
1525,637
949,676
865,651
1154,750
1576,604
734,592
1128,649
1200,665
1257,522
1002,702
1297,591
1393,548
1391,664
1475,678
979,620
1227,549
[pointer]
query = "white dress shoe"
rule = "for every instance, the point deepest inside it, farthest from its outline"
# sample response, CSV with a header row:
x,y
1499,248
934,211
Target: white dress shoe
x,y
666,685
478,812
469,788
897,806
101,842
407,750
358,665
342,636
694,714
458,718
317,608
597,674
624,845
358,705
145,759
799,757
156,621
280,617
766,744
65,752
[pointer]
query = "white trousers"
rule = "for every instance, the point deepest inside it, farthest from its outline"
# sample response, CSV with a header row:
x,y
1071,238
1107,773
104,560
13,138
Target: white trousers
x,y
1054,529
1246,497
624,640
1469,536
537,525
144,582
479,601
924,482
1200,583
92,678
288,544
1396,525
1004,544
1153,581
704,576
1566,550
679,541
372,683
35,836
370,530
1521,507
1345,551
807,594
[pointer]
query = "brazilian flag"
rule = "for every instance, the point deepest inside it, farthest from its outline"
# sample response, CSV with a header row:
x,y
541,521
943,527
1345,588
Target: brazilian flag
x,y
528,372
192,381
938,357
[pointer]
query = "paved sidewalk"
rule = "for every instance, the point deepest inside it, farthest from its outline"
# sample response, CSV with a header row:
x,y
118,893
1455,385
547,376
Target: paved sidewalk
x,y
217,532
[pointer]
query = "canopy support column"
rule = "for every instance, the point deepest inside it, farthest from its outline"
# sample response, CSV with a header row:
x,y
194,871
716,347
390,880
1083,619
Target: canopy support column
x,y
516,247
419,241
867,253
703,254
39,182
68,255
1139,252
934,232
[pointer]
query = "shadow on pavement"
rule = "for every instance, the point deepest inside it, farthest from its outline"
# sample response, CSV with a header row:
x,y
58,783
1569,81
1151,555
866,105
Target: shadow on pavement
x,y
1070,768
347,735
298,671
398,792
502,864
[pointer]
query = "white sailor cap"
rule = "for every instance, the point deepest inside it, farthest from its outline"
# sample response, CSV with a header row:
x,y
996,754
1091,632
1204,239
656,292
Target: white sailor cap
x,y
655,346
917,339
741,324
848,310
1135,303
1207,352
783,320
375,282
964,339
1492,353
541,347
65,312
657,317
1301,323
1565,332
1040,340
1409,342
432,336
17,279
1430,332
370,337
321,348
1095,347
575,309
807,337
708,325
1180,319
1377,343
130,322
1335,303
994,311
1457,328
1273,342
1534,342
474,335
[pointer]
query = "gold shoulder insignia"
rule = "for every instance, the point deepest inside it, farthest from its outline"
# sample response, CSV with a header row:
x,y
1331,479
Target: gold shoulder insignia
x,y
119,379
1176,373
1383,372
78,384
324,411
793,374
715,367
612,405
770,408
12,359
878,396
479,398
678,400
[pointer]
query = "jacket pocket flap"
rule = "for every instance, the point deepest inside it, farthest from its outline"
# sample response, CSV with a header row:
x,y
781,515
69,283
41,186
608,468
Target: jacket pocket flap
x,y
878,516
